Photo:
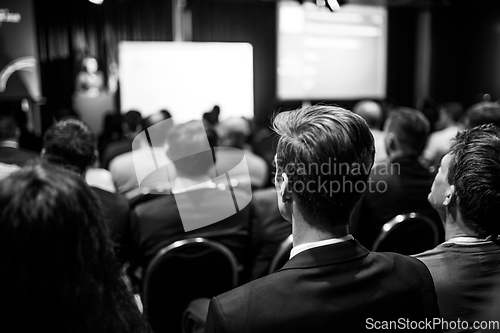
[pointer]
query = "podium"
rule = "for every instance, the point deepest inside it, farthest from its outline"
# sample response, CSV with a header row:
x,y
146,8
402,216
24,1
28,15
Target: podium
x,y
92,109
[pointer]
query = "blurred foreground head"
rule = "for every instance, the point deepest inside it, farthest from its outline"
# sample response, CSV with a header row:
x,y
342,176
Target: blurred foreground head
x,y
56,257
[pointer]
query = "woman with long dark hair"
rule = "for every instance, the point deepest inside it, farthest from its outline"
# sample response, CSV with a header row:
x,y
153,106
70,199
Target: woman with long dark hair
x,y
57,269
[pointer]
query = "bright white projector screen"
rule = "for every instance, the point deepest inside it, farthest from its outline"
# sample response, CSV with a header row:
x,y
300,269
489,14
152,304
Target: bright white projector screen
x,y
333,56
186,78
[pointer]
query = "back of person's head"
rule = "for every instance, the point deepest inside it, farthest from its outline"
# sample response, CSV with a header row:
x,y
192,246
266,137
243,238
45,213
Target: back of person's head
x,y
158,135
371,112
474,170
233,132
453,110
327,153
9,130
132,122
57,264
408,129
482,113
70,143
190,147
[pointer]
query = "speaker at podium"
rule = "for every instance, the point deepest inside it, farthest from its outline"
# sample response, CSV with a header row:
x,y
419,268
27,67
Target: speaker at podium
x,y
91,100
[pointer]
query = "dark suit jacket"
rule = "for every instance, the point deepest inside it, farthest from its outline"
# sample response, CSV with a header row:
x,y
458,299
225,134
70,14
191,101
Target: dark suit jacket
x,y
398,186
333,288
117,215
15,156
157,223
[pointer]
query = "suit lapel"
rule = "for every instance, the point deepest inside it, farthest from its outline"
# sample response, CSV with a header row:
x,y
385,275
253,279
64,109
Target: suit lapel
x,y
327,255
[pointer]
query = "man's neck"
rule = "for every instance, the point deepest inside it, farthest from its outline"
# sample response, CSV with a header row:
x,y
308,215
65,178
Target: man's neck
x,y
304,233
456,228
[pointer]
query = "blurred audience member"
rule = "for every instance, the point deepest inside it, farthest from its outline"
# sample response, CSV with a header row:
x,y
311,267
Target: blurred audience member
x,y
10,152
466,194
373,114
72,144
439,142
131,126
399,185
159,222
124,167
482,113
212,117
235,132
331,282
429,109
57,264
111,132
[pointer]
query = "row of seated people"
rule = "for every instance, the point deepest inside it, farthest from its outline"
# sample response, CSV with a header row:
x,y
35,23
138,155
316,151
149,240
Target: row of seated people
x,y
147,217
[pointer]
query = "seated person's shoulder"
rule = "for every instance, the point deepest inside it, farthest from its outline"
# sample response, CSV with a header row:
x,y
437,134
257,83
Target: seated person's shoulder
x,y
402,265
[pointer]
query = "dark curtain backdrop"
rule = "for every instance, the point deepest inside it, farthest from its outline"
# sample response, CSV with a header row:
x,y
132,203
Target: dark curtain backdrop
x,y
466,51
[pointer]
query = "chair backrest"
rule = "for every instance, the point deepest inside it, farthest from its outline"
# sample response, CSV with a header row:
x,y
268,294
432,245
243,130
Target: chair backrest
x,y
282,255
181,272
410,233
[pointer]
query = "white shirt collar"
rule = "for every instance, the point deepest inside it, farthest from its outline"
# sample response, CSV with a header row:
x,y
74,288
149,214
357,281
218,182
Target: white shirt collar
x,y
468,240
303,247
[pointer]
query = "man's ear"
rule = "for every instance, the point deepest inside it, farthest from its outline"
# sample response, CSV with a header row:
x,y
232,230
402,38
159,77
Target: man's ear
x,y
284,188
450,196
390,142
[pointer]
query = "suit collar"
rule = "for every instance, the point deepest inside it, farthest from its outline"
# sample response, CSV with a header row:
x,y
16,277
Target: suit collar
x,y
328,255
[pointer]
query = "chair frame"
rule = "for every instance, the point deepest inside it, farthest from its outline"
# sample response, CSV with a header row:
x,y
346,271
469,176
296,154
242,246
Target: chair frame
x,y
180,244
388,227
286,246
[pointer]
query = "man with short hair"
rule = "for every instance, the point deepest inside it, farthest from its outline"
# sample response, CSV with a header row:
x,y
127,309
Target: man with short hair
x,y
466,194
399,185
331,282
72,144
131,126
194,198
123,167
482,113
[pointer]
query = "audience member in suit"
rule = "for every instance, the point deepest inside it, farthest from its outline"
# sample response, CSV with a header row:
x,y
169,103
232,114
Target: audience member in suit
x,y
482,113
123,167
56,258
439,141
373,114
234,132
10,152
466,194
331,282
268,230
72,144
159,222
399,185
131,126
